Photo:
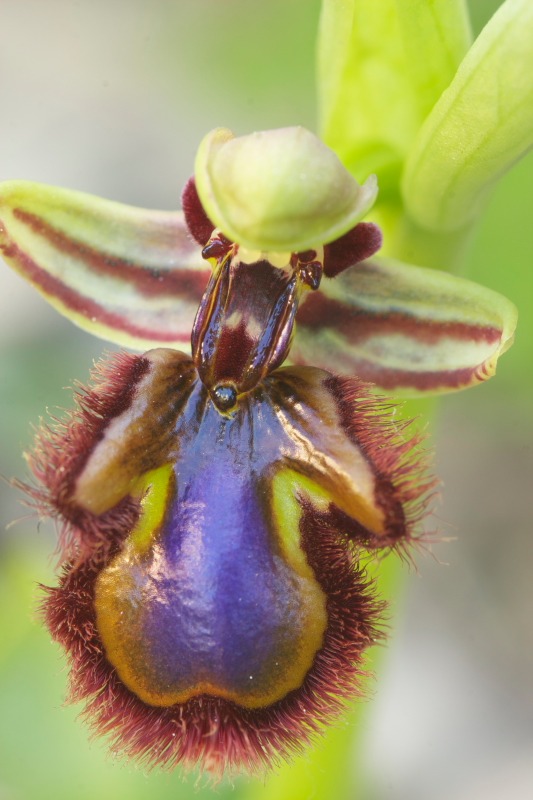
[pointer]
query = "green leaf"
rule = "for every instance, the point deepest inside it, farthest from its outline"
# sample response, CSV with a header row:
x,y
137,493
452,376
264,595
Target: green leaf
x,y
410,330
126,274
381,67
480,127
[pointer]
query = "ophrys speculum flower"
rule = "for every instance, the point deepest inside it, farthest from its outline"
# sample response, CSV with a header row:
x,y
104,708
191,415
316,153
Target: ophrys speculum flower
x,y
217,507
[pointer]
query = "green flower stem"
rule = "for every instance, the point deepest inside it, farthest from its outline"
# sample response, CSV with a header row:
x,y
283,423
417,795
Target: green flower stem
x,y
407,241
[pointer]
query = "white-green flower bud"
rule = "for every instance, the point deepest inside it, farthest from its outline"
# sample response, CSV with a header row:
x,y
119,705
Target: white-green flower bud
x,y
281,190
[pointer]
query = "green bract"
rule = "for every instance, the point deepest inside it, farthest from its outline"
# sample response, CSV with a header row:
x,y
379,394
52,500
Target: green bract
x,y
278,190
439,119
390,60
479,127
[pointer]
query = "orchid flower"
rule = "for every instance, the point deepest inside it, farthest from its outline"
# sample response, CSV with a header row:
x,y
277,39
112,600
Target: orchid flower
x,y
217,503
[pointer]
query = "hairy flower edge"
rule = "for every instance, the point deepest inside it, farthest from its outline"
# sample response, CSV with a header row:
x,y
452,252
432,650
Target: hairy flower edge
x,y
211,732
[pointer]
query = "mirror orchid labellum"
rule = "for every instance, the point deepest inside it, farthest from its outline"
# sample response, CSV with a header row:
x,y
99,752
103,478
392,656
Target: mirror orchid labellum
x,y
217,506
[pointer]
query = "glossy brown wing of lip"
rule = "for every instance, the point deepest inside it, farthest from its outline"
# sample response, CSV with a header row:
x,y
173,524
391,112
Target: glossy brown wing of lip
x,y
62,449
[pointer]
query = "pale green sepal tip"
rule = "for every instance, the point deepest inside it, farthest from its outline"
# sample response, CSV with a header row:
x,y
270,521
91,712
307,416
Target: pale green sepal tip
x,y
280,190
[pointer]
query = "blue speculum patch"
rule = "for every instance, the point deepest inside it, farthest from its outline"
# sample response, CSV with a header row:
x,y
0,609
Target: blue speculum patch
x,y
219,598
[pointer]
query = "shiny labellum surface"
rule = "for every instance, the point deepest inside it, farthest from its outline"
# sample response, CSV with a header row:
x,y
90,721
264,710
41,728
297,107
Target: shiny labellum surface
x,y
211,600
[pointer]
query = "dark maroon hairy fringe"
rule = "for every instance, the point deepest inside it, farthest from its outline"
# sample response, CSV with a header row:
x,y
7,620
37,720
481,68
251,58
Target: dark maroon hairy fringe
x,y
61,450
406,486
207,732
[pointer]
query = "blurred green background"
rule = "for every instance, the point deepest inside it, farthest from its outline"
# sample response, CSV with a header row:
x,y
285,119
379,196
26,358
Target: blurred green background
x,y
113,98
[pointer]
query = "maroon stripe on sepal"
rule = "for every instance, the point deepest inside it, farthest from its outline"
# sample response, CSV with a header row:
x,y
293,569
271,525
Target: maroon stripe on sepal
x,y
357,324
79,304
149,281
427,381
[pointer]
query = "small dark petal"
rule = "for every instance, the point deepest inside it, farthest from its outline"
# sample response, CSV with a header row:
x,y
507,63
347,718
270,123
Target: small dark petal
x,y
358,244
199,224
